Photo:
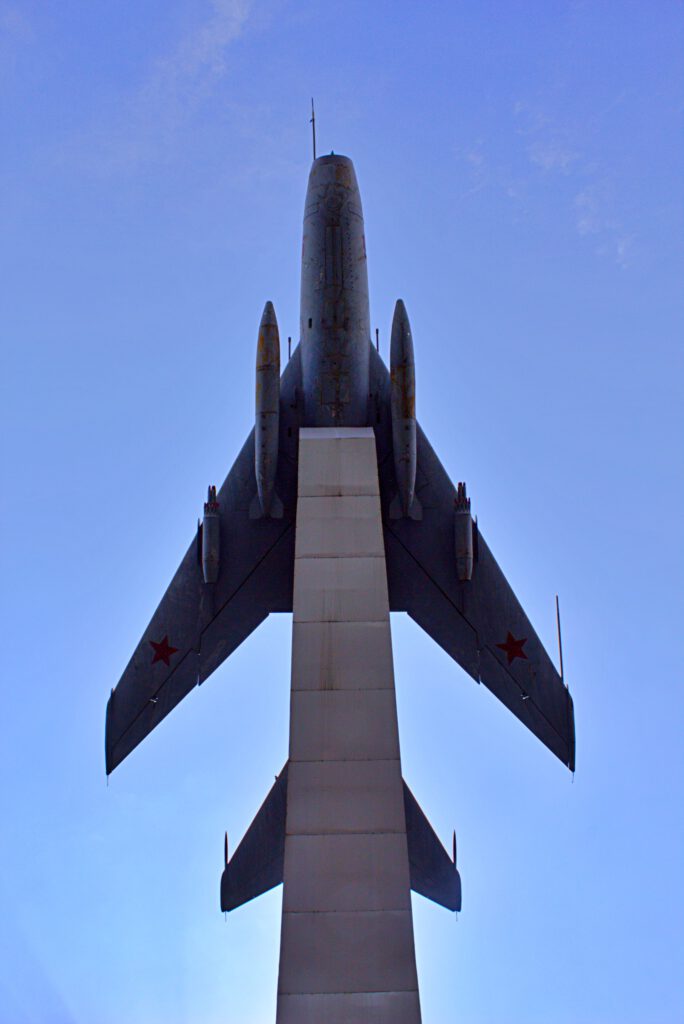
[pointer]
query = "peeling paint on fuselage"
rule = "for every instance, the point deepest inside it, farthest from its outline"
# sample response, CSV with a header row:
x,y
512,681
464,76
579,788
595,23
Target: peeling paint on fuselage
x,y
334,311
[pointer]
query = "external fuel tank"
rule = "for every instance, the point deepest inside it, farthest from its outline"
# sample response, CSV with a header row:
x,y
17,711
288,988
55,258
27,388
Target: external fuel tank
x,y
403,407
334,313
267,415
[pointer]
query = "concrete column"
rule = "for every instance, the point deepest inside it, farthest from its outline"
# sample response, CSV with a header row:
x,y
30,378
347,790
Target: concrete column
x,y
346,948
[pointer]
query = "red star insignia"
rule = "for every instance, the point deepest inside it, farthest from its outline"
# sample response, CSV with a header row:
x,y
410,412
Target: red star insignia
x,y
513,648
162,651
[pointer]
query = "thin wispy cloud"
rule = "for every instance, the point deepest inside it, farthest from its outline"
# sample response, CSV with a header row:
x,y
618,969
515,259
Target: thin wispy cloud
x,y
542,154
148,121
477,166
199,60
529,120
552,156
591,221
587,207
549,149
546,145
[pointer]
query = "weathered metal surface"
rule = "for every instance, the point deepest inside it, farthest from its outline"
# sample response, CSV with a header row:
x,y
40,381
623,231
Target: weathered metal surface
x,y
267,413
403,410
334,315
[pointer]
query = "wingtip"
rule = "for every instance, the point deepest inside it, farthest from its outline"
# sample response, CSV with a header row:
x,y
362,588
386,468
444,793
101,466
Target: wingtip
x,y
571,732
108,747
111,760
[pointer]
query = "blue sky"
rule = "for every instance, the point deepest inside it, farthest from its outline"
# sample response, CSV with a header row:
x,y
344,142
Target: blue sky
x,y
521,168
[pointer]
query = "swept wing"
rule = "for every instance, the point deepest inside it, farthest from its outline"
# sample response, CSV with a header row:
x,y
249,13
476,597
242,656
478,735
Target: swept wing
x,y
480,623
197,625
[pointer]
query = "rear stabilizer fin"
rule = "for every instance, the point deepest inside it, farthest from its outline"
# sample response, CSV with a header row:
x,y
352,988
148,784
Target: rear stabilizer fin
x,y
397,512
257,864
433,872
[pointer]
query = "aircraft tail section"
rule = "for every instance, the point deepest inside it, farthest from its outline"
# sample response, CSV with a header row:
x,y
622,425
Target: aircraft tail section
x,y
433,871
257,864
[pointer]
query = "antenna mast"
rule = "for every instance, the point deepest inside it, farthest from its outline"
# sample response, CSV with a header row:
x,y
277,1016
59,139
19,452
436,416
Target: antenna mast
x,y
313,127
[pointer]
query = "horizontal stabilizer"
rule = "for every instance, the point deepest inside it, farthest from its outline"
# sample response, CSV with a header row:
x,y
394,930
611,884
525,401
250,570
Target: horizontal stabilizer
x,y
257,864
433,872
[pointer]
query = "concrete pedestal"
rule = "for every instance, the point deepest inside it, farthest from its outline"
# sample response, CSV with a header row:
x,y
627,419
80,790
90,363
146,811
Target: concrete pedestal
x,y
347,950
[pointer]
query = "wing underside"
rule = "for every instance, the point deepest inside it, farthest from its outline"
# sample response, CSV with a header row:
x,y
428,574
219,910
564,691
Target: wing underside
x,y
480,623
197,625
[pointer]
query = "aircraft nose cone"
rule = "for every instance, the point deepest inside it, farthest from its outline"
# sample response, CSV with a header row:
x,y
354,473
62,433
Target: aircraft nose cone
x,y
332,158
333,170
401,344
268,318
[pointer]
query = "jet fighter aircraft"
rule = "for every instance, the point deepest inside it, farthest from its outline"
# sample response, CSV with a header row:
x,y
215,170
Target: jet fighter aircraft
x,y
239,567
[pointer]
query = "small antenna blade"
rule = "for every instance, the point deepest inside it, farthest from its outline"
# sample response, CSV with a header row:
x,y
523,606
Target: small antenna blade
x,y
225,850
313,127
560,640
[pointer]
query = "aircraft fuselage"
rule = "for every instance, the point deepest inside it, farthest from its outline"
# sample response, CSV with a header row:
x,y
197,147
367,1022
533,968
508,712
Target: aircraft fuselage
x,y
334,312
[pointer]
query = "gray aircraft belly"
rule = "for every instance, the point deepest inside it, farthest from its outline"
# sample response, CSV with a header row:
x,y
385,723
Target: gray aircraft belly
x,y
334,316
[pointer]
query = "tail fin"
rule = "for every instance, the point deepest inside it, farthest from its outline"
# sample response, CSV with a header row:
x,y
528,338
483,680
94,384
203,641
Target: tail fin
x,y
433,872
257,864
